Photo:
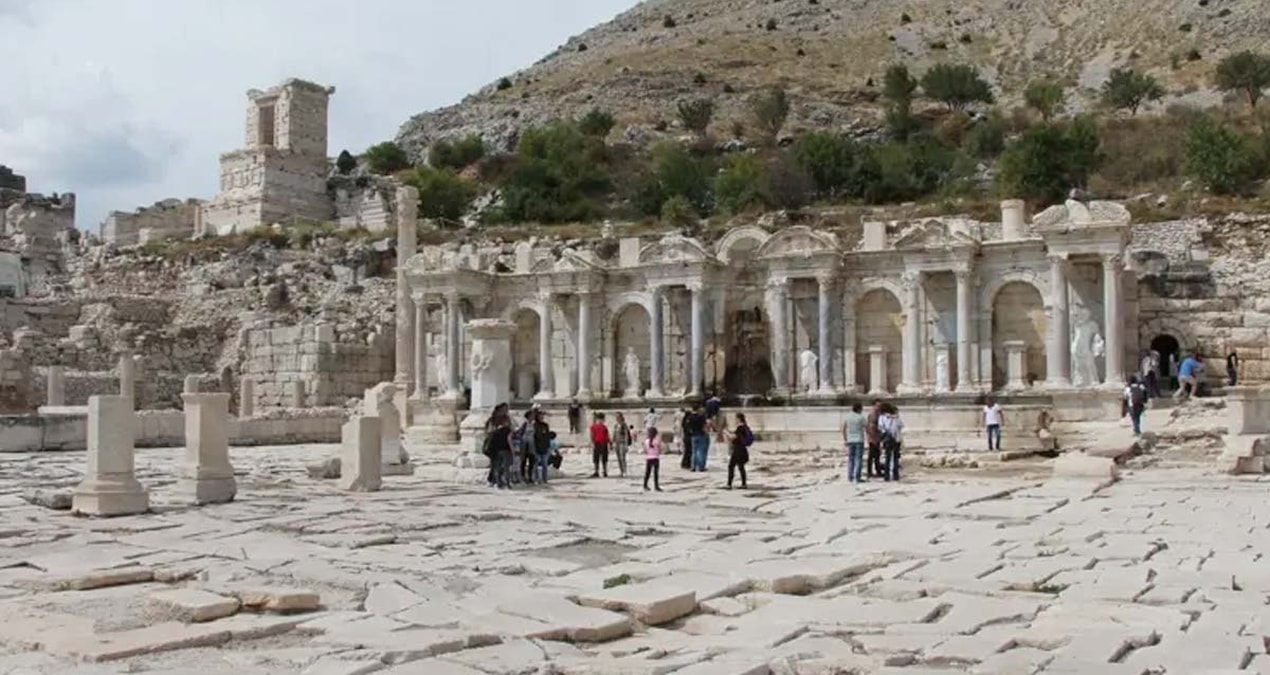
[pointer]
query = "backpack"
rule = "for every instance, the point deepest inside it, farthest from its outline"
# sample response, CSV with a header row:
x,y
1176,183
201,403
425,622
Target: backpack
x,y
542,439
1137,396
747,436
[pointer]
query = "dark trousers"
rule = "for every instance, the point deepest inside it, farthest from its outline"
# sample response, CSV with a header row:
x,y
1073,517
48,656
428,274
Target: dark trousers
x,y
1232,375
734,465
994,434
874,466
1135,414
542,462
600,457
527,462
652,467
1153,385
500,464
892,469
573,425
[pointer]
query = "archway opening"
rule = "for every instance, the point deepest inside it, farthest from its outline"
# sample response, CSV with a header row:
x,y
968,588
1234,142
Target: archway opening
x,y
525,368
631,335
1170,350
749,366
879,322
1018,315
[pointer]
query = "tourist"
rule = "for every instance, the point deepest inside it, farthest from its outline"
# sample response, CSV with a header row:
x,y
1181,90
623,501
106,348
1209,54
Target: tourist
x,y
621,441
575,417
873,438
853,436
713,405
523,448
543,444
652,459
1232,368
1153,374
992,419
651,420
557,459
698,434
1135,403
891,434
683,440
742,439
498,446
1187,375
599,446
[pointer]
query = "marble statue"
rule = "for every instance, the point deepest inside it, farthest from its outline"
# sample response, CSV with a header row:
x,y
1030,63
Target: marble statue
x,y
443,372
941,370
630,368
808,370
1085,341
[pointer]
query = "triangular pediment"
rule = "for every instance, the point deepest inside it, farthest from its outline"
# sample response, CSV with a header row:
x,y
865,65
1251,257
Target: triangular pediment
x,y
799,241
673,248
935,233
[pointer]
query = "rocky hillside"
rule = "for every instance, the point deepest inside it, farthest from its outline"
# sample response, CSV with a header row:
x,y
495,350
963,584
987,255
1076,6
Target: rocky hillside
x,y
830,55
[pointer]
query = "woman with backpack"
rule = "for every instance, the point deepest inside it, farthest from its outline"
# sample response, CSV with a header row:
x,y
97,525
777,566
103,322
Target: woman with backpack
x,y
498,446
742,439
1135,403
621,441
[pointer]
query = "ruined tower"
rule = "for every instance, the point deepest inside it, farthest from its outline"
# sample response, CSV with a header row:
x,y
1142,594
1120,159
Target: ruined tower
x,y
279,176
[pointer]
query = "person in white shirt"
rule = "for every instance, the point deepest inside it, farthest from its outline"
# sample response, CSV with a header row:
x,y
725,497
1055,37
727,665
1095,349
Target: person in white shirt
x,y
891,431
992,419
651,420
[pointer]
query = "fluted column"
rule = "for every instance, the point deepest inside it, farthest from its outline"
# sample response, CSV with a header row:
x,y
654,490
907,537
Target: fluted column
x,y
911,381
778,297
824,309
1058,354
657,345
963,329
849,346
421,349
698,355
407,239
584,345
546,370
1113,307
452,345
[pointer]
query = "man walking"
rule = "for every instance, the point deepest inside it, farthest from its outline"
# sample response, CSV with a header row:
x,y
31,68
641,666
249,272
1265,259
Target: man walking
x,y
1232,368
992,419
575,416
1187,375
697,432
853,435
1135,398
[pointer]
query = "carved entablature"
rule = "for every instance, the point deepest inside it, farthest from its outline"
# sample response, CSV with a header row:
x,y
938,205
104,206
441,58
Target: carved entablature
x,y
1077,228
799,242
937,234
674,249
1075,215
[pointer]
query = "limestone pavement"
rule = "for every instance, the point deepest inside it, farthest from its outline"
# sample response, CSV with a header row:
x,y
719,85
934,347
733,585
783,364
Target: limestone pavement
x,y
1011,572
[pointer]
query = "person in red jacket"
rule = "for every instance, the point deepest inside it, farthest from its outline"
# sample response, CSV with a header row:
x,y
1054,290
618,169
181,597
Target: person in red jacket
x,y
599,446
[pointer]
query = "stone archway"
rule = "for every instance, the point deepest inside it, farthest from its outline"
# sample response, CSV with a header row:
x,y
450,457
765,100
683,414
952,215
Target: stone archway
x,y
1018,314
1170,350
879,320
630,330
526,378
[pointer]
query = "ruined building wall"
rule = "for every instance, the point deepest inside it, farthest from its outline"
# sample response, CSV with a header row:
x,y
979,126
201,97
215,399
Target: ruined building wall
x,y
168,219
11,181
332,367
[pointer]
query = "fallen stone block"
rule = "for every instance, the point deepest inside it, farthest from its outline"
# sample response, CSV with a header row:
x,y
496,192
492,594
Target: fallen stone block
x,y
192,605
335,665
1080,465
800,576
279,600
1245,455
327,469
58,500
160,637
91,580
258,626
651,603
566,622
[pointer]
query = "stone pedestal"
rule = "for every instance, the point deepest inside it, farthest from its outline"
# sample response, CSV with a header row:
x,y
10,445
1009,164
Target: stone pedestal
x,y
246,398
110,486
361,468
207,476
1015,358
491,363
190,385
380,401
435,422
942,372
56,386
298,394
877,369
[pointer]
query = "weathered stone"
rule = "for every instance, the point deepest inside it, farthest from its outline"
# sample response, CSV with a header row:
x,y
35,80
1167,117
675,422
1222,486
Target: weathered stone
x,y
278,600
560,619
110,487
1079,465
327,469
58,500
192,605
361,467
149,640
207,476
651,603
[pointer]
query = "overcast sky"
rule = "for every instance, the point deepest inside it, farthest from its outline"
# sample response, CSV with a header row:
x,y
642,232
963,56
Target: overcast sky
x,y
126,102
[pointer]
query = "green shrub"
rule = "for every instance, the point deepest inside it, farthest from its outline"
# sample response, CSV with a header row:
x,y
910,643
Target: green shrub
x,y
345,163
504,84
1221,159
770,110
679,211
1047,161
788,185
696,114
828,158
680,174
558,174
742,184
986,139
443,194
668,21
898,87
386,158
1245,72
597,123
1043,96
1127,89
457,154
956,86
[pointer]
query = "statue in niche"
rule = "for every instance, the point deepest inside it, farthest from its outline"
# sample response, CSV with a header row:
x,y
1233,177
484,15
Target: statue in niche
x,y
808,370
443,372
1087,346
941,370
630,368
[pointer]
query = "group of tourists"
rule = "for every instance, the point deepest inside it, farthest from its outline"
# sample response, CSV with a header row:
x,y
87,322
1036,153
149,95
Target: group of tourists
x,y
881,432
520,453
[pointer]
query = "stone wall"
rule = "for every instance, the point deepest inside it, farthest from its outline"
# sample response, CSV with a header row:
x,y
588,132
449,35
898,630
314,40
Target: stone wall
x,y
332,367
168,219
10,180
368,206
264,186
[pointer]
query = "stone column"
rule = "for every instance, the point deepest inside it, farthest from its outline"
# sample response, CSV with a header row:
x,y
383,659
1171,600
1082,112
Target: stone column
x,y
1058,354
963,330
491,378
206,476
778,299
379,402
911,380
246,398
849,347
546,369
421,349
360,468
407,242
584,346
1015,357
190,384
128,379
657,344
877,370
56,386
298,395
110,486
1113,307
451,346
824,309
697,357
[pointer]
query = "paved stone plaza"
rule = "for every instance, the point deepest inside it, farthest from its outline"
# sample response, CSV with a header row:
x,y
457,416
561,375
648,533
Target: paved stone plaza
x,y
989,571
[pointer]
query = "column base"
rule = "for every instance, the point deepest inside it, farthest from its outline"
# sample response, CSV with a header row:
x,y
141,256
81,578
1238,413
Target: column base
x,y
1058,384
208,490
435,421
654,393
780,392
584,395
110,497
878,392
824,393
544,396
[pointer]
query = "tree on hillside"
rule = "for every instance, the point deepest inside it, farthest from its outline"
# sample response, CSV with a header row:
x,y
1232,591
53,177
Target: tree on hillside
x,y
597,123
386,158
770,109
1126,89
457,154
696,115
828,158
1048,160
957,86
1043,96
898,87
1245,72
1221,159
443,195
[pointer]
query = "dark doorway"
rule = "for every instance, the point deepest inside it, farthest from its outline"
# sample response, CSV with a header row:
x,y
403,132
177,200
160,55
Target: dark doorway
x,y
749,370
1170,351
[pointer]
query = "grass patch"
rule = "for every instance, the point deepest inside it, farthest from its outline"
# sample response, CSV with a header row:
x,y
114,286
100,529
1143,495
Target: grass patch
x,y
619,580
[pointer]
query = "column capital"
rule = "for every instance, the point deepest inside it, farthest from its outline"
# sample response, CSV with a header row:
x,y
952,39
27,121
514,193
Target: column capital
x,y
1056,258
963,273
827,278
778,283
911,277
695,286
452,296
1113,261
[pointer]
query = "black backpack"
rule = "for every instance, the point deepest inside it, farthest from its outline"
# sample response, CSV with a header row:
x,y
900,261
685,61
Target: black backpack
x,y
542,437
1137,396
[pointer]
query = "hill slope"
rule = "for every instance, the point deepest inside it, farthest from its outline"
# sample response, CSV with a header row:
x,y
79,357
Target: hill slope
x,y
829,53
